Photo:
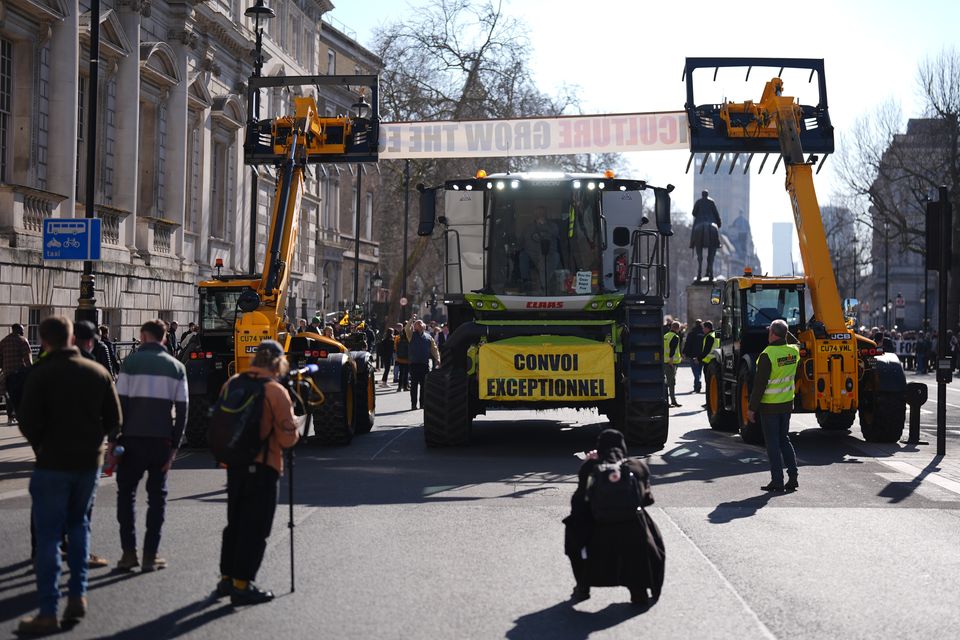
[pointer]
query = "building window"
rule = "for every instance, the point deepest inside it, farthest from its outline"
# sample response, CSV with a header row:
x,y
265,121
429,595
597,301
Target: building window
x,y
194,175
331,62
6,95
36,315
218,207
43,113
368,218
109,139
353,212
161,160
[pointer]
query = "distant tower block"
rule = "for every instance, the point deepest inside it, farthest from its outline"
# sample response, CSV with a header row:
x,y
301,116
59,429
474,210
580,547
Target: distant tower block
x,y
783,249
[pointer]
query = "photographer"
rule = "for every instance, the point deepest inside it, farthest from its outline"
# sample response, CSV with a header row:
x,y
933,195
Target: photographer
x,y
252,489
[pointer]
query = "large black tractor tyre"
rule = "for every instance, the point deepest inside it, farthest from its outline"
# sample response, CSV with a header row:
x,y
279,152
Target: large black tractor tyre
x,y
366,397
720,419
334,420
883,406
751,432
446,408
642,423
198,419
841,421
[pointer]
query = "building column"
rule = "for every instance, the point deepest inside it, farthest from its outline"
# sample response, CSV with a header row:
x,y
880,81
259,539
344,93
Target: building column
x,y
128,125
64,79
176,142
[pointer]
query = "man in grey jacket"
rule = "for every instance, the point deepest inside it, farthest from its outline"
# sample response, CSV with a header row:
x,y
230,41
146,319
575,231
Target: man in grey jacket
x,y
423,349
152,387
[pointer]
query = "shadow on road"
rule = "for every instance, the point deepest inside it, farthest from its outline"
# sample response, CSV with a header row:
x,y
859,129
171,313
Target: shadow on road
x,y
179,622
737,509
899,491
562,620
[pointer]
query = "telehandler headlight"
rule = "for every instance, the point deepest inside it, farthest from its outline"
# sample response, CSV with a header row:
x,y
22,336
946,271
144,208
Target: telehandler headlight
x,y
500,186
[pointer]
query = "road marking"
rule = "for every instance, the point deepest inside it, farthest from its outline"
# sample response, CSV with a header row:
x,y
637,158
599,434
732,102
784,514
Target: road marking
x,y
390,442
753,614
10,495
914,472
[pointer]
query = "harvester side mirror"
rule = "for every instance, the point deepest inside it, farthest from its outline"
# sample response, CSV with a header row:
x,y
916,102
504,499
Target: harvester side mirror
x,y
428,210
662,210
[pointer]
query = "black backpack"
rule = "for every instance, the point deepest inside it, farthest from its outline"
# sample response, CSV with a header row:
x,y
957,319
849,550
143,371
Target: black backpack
x,y
234,431
613,492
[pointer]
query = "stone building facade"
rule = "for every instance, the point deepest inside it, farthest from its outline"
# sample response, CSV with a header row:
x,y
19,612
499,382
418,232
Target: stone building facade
x,y
171,188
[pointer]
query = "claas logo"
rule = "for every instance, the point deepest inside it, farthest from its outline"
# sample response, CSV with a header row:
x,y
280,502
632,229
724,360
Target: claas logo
x,y
543,304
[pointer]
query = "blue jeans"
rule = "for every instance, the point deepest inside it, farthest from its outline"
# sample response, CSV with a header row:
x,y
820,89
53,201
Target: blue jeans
x,y
776,428
697,367
142,456
61,500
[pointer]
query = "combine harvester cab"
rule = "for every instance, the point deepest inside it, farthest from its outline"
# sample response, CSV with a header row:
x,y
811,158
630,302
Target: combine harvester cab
x,y
555,285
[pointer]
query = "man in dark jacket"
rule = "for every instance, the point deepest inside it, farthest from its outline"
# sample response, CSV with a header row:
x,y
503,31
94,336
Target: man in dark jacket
x,y
385,354
65,424
423,349
152,387
111,349
85,333
15,355
772,398
628,553
693,349
172,344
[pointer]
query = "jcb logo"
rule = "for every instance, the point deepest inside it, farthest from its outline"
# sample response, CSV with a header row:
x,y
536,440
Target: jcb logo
x,y
839,336
544,305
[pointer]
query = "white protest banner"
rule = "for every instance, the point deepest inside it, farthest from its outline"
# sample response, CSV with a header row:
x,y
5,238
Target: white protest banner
x,y
563,135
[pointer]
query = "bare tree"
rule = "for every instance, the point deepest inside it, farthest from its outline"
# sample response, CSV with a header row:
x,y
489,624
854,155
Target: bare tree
x,y
892,170
457,60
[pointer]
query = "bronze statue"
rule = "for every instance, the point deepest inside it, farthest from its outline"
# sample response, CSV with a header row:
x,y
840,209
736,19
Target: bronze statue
x,y
706,232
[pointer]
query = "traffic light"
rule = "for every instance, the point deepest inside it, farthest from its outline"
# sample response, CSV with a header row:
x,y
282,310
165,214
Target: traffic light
x,y
939,232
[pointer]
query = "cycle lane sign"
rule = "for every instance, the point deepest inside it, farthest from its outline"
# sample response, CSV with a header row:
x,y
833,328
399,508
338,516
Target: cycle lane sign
x,y
71,239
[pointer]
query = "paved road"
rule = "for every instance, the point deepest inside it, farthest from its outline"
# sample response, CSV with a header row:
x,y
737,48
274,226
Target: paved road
x,y
397,541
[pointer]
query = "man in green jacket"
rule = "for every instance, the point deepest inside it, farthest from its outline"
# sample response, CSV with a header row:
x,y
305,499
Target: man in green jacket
x,y
772,398
69,404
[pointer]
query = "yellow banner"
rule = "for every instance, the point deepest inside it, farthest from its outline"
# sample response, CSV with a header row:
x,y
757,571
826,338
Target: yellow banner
x,y
570,372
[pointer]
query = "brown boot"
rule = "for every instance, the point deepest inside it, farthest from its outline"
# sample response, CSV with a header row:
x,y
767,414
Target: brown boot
x,y
97,562
151,562
129,561
76,608
38,625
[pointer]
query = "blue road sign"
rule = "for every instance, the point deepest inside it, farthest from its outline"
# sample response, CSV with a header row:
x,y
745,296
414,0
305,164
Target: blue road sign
x,y
71,239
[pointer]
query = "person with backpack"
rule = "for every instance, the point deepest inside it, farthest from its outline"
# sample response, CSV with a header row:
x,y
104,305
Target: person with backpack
x,y
385,355
610,540
693,349
402,352
153,391
253,472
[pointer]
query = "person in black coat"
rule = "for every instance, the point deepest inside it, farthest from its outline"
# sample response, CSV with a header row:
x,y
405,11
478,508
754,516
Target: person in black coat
x,y
628,554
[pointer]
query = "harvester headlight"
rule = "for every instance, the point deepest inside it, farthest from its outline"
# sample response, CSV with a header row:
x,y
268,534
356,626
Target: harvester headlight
x,y
500,185
514,184
576,184
591,186
601,185
456,187
609,304
494,305
594,305
469,187
479,304
623,187
489,185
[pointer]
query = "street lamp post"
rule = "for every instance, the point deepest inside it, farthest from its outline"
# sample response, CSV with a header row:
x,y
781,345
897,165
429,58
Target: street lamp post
x,y
363,109
406,225
258,12
87,303
886,274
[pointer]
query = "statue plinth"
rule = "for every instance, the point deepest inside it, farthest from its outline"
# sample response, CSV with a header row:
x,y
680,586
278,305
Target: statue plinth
x,y
699,293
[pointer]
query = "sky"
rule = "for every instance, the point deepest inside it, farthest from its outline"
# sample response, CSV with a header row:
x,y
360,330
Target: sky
x,y
628,56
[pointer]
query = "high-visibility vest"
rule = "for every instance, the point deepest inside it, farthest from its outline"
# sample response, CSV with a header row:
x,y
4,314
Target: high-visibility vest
x,y
783,371
714,342
667,339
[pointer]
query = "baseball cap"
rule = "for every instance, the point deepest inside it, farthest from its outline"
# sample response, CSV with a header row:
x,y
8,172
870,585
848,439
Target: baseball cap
x,y
272,347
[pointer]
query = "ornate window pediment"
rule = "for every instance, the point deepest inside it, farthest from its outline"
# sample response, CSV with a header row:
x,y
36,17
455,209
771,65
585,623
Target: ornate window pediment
x,y
42,10
158,64
198,94
113,41
228,112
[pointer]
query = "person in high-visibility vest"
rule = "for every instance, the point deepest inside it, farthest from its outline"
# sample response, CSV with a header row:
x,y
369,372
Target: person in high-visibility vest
x,y
772,399
671,360
710,342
